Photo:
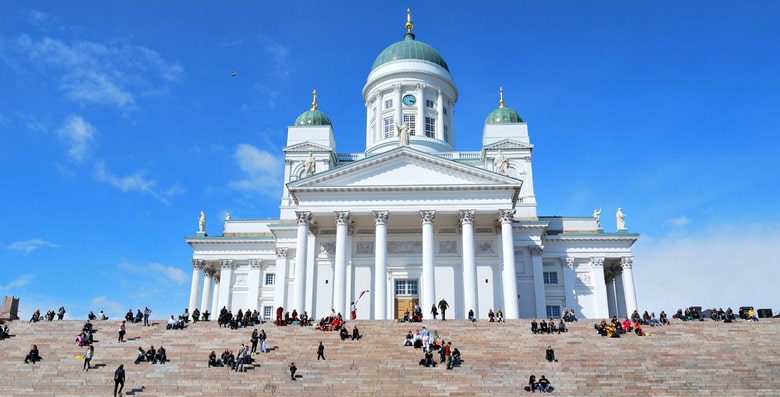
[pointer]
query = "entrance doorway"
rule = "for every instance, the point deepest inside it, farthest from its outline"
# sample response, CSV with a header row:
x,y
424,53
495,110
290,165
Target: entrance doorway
x,y
406,297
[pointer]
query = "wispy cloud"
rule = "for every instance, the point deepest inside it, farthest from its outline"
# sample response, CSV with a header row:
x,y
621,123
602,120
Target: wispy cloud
x,y
262,171
28,246
136,182
107,73
166,275
78,134
18,283
277,58
111,308
680,221
727,266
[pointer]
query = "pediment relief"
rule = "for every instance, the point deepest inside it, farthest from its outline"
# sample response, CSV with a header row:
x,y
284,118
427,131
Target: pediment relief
x,y
508,145
405,167
306,147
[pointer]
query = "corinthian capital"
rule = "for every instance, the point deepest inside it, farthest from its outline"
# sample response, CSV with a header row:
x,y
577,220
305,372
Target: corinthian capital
x,y
342,217
281,253
304,217
627,262
597,261
467,216
506,216
427,216
380,217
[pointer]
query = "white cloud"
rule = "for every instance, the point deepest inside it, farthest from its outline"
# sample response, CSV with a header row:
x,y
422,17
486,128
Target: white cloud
x,y
28,246
166,275
262,171
681,221
109,73
78,134
136,182
729,266
18,283
112,309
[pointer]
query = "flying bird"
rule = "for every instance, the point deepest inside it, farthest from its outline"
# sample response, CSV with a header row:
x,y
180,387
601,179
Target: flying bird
x,y
234,74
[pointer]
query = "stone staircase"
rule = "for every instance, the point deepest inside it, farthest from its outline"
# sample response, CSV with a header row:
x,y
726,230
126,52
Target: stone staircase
x,y
693,358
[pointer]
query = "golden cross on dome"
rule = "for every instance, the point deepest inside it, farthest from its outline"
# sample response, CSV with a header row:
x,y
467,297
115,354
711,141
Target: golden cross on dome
x,y
314,101
501,95
409,24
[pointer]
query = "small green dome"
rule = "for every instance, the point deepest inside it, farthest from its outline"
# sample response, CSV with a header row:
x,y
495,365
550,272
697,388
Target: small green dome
x,y
502,115
409,48
312,117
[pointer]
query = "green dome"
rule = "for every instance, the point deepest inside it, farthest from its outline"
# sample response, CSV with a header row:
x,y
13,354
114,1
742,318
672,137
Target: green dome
x,y
503,115
312,117
409,48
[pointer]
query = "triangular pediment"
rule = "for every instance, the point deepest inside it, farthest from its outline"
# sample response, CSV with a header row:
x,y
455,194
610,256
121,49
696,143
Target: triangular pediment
x,y
508,145
405,168
306,147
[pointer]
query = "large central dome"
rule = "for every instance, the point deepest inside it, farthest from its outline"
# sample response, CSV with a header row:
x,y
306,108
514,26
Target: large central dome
x,y
409,48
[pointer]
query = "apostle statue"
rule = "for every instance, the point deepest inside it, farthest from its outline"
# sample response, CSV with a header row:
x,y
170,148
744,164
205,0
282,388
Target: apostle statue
x,y
202,222
620,217
597,215
500,163
403,134
309,166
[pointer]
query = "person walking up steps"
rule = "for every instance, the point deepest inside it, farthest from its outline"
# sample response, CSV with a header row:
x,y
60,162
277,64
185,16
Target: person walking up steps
x,y
443,306
320,351
119,379
88,358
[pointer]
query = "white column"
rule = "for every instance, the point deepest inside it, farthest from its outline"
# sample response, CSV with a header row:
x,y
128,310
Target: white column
x,y
540,298
628,283
340,271
380,265
197,279
469,262
397,105
569,282
612,299
255,274
420,122
205,300
620,294
299,285
226,285
215,299
600,287
429,291
280,289
508,275
440,119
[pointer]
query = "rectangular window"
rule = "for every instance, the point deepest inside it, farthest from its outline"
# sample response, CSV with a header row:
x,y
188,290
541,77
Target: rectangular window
x,y
553,311
388,103
429,103
445,111
409,120
446,135
270,278
267,312
430,127
389,127
406,287
550,277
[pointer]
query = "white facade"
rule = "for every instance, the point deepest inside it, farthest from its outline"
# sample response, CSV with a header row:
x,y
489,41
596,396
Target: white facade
x,y
412,223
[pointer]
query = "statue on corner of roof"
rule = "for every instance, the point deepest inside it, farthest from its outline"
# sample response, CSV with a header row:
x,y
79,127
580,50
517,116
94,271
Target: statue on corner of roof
x,y
202,222
597,215
620,217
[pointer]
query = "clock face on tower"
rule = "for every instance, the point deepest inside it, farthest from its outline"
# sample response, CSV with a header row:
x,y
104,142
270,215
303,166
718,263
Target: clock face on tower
x,y
409,100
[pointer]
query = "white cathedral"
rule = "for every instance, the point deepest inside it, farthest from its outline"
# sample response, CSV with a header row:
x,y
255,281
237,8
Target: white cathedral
x,y
411,220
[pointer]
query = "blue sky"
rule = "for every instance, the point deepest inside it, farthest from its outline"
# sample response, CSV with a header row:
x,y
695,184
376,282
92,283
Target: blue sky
x,y
120,123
